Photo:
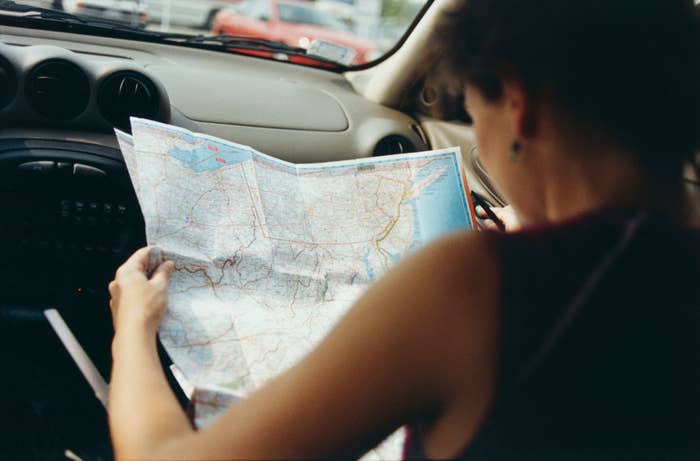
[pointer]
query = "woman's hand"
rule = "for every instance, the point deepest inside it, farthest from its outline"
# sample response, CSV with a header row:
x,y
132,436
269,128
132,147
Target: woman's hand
x,y
506,214
137,301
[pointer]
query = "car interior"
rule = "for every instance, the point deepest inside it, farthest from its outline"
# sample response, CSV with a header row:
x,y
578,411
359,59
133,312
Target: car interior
x,y
70,215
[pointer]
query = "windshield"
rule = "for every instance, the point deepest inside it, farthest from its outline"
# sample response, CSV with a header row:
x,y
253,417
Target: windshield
x,y
355,31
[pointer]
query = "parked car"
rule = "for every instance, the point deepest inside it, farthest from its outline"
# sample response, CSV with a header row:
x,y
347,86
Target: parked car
x,y
198,14
292,22
131,12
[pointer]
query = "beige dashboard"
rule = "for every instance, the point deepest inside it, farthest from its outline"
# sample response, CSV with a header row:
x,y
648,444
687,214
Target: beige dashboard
x,y
297,113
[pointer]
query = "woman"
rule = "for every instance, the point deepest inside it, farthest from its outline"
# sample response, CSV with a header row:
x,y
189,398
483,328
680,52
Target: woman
x,y
573,337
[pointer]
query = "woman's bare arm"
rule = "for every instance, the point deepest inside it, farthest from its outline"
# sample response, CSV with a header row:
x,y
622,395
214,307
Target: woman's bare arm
x,y
404,353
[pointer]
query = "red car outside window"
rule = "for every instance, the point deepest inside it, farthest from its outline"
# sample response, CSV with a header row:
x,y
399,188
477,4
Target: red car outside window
x,y
295,23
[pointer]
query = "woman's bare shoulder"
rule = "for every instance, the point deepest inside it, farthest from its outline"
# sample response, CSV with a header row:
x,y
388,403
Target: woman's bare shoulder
x,y
456,262
447,289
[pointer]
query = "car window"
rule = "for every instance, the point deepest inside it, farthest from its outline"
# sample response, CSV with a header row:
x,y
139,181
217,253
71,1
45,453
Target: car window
x,y
303,15
366,29
255,10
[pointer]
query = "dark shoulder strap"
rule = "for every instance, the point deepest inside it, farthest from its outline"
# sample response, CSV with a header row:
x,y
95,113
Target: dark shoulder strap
x,y
582,295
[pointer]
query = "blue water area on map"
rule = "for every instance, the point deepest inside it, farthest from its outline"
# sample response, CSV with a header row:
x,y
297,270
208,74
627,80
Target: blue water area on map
x,y
186,137
394,257
210,156
368,266
441,207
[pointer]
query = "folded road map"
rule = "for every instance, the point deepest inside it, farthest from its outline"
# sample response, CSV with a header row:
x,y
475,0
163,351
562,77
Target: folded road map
x,y
269,254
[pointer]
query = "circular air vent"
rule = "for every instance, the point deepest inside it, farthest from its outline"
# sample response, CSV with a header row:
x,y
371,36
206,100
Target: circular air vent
x,y
8,83
394,144
58,90
127,94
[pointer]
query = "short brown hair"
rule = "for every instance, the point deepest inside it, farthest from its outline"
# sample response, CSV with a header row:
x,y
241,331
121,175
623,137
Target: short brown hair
x,y
628,68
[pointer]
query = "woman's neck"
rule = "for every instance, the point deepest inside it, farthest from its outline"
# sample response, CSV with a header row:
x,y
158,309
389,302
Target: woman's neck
x,y
584,181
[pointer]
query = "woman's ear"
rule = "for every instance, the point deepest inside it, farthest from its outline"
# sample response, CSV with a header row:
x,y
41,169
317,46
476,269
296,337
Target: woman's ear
x,y
521,109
